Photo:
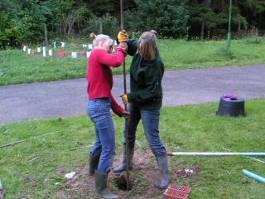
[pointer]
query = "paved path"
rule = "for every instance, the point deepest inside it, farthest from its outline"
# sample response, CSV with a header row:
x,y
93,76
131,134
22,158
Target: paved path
x,y
68,98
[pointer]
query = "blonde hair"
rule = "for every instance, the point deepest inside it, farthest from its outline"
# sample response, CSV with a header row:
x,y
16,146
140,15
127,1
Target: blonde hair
x,y
148,46
101,39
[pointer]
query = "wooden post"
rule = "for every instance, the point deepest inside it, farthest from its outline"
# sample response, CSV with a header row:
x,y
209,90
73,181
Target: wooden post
x,y
46,36
229,28
100,25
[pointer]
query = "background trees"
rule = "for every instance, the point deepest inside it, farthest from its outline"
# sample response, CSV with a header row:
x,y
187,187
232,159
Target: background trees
x,y
169,17
22,21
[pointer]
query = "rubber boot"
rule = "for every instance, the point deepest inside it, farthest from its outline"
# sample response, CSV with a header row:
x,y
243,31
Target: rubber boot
x,y
162,162
93,164
123,165
101,186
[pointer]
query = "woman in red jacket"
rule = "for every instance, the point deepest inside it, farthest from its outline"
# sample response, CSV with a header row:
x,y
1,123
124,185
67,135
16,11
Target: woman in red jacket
x,y
101,101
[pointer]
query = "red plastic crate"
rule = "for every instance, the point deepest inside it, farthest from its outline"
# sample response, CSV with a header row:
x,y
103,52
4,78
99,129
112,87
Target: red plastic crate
x,y
60,53
177,192
180,188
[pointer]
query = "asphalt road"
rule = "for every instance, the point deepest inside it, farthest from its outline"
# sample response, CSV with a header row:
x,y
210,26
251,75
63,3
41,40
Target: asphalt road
x,y
69,97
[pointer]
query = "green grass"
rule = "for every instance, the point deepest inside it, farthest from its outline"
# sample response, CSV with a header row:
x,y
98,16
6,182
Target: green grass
x,y
18,67
181,54
36,167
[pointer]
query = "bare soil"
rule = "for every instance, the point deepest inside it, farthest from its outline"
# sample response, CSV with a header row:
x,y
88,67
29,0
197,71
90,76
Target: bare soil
x,y
143,176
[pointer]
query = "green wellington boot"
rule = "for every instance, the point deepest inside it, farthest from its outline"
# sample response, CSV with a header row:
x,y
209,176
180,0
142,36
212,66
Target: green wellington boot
x,y
163,167
93,164
101,186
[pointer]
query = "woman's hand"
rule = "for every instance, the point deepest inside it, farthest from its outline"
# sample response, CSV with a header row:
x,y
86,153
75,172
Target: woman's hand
x,y
124,98
125,114
123,45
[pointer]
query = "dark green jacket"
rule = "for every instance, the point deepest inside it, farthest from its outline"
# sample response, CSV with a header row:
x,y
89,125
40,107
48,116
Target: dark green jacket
x,y
145,80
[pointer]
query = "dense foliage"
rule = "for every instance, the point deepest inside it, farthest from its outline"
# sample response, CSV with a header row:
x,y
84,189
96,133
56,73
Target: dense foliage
x,y
23,21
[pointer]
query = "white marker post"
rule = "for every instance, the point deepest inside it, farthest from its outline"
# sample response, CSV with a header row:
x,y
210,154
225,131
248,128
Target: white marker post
x,y
74,55
29,51
50,52
62,44
44,51
38,50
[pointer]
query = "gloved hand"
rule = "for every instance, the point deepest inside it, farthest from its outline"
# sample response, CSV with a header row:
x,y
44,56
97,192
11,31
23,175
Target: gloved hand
x,y
124,98
123,36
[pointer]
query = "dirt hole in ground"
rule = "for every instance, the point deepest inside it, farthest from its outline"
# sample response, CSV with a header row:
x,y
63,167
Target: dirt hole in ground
x,y
142,180
122,182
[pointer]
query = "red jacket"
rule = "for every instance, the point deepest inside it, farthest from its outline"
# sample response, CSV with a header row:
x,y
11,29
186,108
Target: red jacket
x,y
99,75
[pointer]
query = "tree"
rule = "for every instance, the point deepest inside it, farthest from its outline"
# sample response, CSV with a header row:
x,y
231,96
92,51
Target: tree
x,y
254,10
168,17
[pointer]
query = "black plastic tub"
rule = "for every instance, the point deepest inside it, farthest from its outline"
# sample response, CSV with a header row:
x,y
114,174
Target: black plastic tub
x,y
231,106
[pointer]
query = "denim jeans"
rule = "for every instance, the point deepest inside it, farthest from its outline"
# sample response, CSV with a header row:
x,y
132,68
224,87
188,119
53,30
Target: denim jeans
x,y
150,120
99,113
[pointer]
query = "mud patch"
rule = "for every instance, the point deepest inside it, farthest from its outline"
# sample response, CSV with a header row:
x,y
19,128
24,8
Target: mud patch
x,y
188,172
144,174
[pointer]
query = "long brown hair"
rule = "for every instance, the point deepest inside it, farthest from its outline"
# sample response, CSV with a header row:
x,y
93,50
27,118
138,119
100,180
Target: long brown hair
x,y
148,46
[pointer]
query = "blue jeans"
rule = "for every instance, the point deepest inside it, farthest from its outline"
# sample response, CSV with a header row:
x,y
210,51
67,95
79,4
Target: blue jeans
x,y
150,120
100,115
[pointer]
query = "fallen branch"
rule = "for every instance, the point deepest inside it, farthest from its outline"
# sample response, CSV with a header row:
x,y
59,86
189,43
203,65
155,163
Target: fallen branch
x,y
12,143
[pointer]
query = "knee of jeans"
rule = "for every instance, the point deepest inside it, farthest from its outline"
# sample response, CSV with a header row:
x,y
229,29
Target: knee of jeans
x,y
109,150
158,150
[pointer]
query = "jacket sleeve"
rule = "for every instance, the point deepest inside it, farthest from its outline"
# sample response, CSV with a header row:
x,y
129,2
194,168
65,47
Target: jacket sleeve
x,y
132,47
151,78
116,108
113,60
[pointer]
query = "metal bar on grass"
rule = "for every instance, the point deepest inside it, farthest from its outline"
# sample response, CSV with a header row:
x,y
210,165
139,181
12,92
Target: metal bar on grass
x,y
254,176
125,105
1,190
216,153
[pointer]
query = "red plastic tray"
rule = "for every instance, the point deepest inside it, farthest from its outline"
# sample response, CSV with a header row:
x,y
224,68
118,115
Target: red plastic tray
x,y
177,192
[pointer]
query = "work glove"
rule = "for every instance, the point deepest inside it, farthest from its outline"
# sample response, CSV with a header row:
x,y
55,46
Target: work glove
x,y
123,36
124,99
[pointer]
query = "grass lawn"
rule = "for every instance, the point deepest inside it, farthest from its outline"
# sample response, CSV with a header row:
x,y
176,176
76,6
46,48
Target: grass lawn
x,y
52,148
18,67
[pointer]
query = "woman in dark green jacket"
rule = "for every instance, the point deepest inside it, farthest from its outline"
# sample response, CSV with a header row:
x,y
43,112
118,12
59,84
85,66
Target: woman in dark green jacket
x,y
145,100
